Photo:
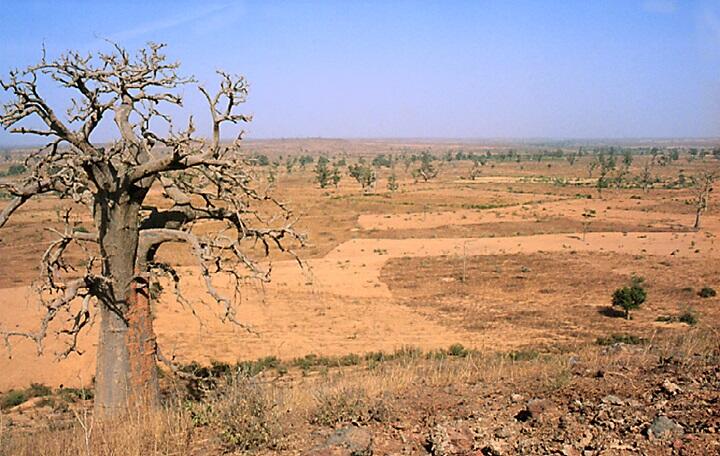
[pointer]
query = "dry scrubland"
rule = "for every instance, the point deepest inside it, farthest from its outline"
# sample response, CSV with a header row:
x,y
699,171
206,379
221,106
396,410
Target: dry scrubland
x,y
454,316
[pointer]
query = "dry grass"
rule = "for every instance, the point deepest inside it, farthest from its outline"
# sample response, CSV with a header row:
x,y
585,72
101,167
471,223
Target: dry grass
x,y
264,415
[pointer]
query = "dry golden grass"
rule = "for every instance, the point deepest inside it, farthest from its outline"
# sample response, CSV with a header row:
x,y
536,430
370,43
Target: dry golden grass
x,y
267,416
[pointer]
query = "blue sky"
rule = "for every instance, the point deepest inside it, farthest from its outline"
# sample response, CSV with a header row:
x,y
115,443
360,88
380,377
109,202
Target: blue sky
x,y
480,69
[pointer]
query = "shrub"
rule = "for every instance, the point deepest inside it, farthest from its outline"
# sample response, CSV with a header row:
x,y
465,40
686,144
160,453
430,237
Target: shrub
x,y
707,292
620,339
245,416
631,297
12,398
688,317
75,394
348,405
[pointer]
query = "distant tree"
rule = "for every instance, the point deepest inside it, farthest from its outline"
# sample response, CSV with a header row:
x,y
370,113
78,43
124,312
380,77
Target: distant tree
x,y
588,215
646,178
475,171
607,164
273,171
392,183
591,167
571,158
408,160
427,170
260,160
627,158
335,175
382,161
290,164
305,160
630,297
323,174
702,186
364,174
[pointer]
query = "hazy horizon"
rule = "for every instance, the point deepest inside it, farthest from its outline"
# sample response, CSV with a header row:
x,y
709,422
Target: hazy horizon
x,y
615,70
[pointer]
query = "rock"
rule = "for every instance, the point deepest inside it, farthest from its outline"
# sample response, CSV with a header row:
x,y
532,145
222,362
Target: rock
x,y
449,439
663,427
569,450
612,400
502,433
670,387
349,441
516,398
534,410
492,449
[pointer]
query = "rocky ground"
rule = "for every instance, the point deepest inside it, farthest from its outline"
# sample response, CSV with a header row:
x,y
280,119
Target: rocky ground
x,y
667,407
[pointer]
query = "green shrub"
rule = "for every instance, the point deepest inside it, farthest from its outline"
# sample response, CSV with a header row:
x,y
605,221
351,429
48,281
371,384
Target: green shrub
x,y
12,398
627,339
348,405
75,394
523,355
245,416
688,317
631,297
707,292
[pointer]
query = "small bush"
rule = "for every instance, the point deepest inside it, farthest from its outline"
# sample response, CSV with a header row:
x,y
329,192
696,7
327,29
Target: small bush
x,y
75,394
348,405
244,415
627,339
38,390
688,317
12,398
523,355
631,297
707,292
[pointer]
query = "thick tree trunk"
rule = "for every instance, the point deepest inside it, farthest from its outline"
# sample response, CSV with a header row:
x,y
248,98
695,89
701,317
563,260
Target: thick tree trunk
x,y
122,377
141,346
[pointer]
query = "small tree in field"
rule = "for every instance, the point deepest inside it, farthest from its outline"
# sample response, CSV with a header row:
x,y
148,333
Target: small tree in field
x,y
607,164
587,215
702,186
336,175
631,297
476,170
323,174
427,170
364,174
210,203
392,183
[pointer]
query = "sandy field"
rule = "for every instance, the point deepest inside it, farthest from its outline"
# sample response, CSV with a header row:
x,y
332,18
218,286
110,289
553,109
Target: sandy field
x,y
504,262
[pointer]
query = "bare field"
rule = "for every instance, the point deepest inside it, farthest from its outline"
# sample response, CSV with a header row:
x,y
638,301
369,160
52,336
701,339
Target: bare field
x,y
498,263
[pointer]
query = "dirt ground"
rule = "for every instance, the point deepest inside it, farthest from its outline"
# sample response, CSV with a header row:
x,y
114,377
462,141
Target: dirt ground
x,y
504,262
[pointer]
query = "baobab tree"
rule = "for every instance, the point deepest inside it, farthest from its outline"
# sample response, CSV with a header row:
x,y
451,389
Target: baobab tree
x,y
204,183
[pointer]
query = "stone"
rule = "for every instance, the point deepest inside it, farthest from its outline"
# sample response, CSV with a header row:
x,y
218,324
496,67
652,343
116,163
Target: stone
x,y
502,433
612,400
349,441
662,427
670,387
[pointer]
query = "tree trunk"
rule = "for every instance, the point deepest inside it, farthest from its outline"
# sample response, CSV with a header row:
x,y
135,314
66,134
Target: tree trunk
x,y
121,377
698,213
141,346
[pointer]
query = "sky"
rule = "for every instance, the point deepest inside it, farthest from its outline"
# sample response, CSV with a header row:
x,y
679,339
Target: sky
x,y
420,69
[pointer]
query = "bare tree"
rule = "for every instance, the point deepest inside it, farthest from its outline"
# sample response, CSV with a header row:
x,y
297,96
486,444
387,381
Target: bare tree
x,y
646,175
204,183
702,186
